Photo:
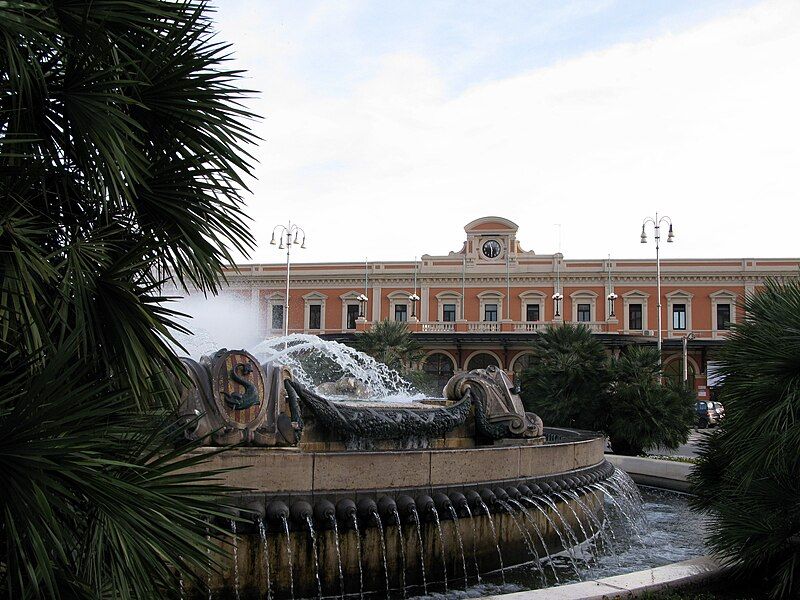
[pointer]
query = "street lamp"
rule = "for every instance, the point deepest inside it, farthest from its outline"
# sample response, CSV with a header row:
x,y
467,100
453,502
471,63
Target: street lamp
x,y
557,298
656,223
413,298
362,300
686,340
288,235
611,297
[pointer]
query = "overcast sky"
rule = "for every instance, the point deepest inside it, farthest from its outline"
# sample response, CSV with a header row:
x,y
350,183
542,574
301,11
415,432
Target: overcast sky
x,y
387,126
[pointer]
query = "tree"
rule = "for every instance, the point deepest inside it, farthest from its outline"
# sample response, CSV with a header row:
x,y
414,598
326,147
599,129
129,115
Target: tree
x,y
748,477
391,343
123,160
643,412
571,382
568,378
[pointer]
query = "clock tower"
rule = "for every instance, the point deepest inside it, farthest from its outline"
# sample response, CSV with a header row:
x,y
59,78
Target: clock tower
x,y
491,240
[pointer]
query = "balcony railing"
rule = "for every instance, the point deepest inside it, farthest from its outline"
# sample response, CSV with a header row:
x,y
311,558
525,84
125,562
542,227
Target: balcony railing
x,y
482,326
437,327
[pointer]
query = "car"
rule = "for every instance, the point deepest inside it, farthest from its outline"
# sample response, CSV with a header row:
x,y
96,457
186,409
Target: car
x,y
707,415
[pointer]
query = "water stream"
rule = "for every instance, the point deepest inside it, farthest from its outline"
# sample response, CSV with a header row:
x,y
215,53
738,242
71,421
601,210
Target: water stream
x,y
335,528
488,513
441,543
454,517
262,532
415,516
235,559
289,554
313,535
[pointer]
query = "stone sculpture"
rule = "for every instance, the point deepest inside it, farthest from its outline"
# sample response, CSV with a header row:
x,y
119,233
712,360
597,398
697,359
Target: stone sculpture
x,y
234,399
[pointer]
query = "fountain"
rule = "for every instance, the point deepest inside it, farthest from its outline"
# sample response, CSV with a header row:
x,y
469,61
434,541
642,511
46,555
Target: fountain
x,y
352,495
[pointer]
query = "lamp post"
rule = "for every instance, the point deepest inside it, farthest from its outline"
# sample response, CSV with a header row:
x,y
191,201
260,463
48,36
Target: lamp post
x,y
656,223
557,298
362,302
288,235
413,298
686,340
611,297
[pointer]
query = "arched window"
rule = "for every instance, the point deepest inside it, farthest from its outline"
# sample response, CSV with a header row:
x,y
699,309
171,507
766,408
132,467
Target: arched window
x,y
438,368
674,370
482,360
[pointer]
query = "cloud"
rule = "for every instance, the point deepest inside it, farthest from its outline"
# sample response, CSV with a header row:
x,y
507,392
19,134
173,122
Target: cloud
x,y
701,124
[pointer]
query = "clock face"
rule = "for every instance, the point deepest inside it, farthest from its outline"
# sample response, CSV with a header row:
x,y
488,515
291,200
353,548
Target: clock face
x,y
491,249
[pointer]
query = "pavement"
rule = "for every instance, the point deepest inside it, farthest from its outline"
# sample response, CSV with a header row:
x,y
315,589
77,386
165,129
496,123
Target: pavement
x,y
690,448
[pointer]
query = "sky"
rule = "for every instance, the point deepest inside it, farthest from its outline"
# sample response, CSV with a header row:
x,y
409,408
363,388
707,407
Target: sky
x,y
388,126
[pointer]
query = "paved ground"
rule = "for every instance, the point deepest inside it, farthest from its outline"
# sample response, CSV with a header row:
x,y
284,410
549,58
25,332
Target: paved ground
x,y
688,449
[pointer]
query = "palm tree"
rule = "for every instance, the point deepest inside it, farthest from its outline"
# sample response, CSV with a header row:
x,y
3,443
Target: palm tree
x,y
748,477
568,378
643,412
123,160
391,343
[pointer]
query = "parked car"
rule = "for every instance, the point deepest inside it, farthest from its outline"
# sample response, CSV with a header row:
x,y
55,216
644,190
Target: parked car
x,y
707,415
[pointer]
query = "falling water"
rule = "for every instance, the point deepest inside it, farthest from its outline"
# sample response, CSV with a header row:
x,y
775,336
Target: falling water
x,y
402,549
537,563
456,526
552,523
358,550
441,544
565,500
630,521
314,361
592,519
289,554
474,542
525,538
235,559
378,522
338,553
496,541
567,531
262,531
313,535
415,516
535,527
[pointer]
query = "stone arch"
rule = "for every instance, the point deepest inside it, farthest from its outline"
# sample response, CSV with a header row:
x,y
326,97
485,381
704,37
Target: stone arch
x,y
480,359
672,368
438,366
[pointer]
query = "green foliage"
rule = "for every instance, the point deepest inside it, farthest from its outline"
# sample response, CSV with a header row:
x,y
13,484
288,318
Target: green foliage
x,y
748,477
643,413
568,378
122,157
122,166
571,382
391,343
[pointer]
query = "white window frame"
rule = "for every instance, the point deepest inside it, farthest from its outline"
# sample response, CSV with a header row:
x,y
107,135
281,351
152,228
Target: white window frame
x,y
584,297
531,297
449,297
275,299
722,297
491,297
399,297
634,297
679,297
349,299
314,298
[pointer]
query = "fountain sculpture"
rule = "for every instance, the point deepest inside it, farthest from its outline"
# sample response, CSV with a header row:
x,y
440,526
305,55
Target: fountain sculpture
x,y
357,497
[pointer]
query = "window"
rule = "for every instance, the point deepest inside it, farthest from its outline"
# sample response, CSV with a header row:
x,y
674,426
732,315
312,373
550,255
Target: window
x,y
679,316
481,361
490,312
634,316
277,316
449,312
352,315
315,316
723,316
532,312
401,312
584,313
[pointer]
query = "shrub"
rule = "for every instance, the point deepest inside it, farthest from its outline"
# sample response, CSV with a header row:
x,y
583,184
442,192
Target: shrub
x,y
568,378
643,412
748,476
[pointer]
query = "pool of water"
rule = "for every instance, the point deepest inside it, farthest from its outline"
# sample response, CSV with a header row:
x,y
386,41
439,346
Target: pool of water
x,y
667,532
